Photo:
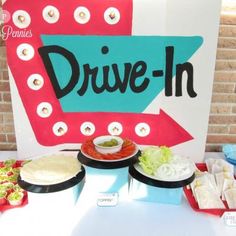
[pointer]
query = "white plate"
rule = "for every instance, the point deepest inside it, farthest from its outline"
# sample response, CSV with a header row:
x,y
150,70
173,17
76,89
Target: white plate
x,y
115,160
184,177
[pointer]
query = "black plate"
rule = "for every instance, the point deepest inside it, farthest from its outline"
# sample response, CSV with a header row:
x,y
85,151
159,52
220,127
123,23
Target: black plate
x,y
54,187
100,164
159,183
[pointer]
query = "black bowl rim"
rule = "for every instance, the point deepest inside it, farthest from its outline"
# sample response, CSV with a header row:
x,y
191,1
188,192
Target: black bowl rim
x,y
159,183
34,188
99,164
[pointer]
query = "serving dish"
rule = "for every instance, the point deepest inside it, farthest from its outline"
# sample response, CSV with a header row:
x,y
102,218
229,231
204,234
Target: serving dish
x,y
52,180
34,188
108,173
9,172
229,151
194,204
108,144
50,197
148,188
137,173
89,156
231,161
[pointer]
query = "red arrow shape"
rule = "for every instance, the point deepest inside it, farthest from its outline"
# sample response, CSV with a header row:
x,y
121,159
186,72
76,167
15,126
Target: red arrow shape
x,y
169,132
163,129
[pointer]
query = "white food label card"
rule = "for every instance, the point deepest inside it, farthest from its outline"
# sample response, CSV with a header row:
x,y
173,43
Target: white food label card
x,y
107,199
229,218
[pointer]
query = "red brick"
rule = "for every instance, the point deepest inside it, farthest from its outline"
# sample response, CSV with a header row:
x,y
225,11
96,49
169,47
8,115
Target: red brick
x,y
5,75
224,53
232,129
223,88
218,129
227,42
222,119
220,109
11,138
3,53
7,146
234,109
3,138
229,65
8,118
228,19
225,76
2,42
227,31
4,86
3,64
6,97
8,128
223,98
221,138
213,148
5,107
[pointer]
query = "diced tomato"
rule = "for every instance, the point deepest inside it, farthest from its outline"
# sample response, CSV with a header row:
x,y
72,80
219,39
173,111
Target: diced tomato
x,y
10,173
128,148
3,201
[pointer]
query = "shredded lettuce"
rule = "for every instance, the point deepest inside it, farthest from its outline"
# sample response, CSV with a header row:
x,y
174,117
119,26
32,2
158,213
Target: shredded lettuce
x,y
3,194
153,157
15,196
9,163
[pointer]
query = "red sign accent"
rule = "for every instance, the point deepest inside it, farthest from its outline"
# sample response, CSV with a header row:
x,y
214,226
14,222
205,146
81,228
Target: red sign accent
x,y
163,129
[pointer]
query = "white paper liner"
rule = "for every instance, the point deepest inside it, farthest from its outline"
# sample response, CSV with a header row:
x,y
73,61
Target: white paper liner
x,y
230,196
207,199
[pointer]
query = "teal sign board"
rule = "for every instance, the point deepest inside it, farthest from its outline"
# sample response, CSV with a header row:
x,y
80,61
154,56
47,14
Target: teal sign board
x,y
117,73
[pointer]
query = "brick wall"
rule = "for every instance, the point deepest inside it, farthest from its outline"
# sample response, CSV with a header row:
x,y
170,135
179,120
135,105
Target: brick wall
x,y
222,121
7,134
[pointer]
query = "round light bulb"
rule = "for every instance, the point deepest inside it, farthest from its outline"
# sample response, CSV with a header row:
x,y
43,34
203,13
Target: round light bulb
x,y
61,131
25,52
36,82
82,14
112,15
51,13
21,18
45,110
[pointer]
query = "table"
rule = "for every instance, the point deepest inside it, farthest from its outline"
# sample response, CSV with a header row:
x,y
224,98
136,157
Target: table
x,y
128,218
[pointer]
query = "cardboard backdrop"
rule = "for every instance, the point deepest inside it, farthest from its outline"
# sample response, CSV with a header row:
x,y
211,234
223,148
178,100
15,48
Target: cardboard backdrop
x,y
141,69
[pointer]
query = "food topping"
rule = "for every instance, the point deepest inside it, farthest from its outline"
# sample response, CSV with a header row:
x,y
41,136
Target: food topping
x,y
160,163
110,143
15,198
9,172
49,170
9,163
128,149
3,194
211,188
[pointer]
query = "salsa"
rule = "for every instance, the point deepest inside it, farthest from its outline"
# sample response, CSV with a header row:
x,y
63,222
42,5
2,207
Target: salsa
x,y
110,143
128,148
